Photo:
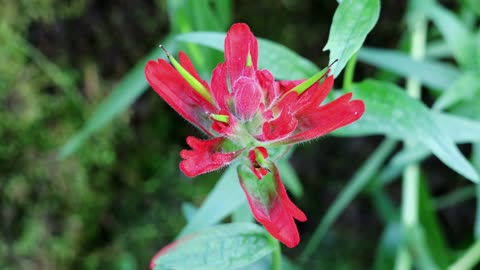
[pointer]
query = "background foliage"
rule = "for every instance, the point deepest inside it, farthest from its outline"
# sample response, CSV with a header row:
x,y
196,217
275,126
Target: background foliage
x,y
89,173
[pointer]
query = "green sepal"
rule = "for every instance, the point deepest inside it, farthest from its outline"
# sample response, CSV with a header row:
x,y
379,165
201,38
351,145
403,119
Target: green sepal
x,y
191,80
310,81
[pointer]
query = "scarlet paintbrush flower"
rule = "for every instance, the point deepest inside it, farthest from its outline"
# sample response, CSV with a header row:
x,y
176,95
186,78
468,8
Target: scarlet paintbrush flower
x,y
247,114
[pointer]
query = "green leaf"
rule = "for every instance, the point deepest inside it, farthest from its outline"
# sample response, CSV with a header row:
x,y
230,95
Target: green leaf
x,y
467,86
458,129
225,197
221,247
358,182
188,210
391,112
431,228
456,34
469,259
290,178
388,245
352,22
281,61
431,73
123,95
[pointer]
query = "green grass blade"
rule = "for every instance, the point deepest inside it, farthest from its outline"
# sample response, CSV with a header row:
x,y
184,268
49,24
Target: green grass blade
x,y
469,259
433,235
455,32
390,111
354,186
389,243
352,22
467,86
431,73
290,178
123,95
224,199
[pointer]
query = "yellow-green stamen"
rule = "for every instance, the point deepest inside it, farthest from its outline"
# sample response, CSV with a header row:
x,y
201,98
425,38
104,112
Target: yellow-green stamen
x,y
249,60
311,81
220,117
194,83
260,159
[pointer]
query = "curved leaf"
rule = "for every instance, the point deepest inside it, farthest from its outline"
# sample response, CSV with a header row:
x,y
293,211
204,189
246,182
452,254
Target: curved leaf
x,y
390,111
221,247
432,73
352,22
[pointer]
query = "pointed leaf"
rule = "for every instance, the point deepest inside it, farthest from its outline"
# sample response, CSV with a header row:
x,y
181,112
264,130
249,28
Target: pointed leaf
x,y
221,247
352,22
432,73
390,111
225,197
123,95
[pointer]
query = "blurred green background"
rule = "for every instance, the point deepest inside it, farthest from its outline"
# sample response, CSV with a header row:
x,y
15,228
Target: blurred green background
x,y
117,200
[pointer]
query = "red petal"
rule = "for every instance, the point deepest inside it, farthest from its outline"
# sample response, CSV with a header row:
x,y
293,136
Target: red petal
x,y
248,96
279,127
269,86
238,43
272,207
171,86
327,118
187,64
311,99
219,86
205,156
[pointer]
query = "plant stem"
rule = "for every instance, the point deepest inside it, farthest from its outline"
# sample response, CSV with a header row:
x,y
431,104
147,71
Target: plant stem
x,y
469,259
348,75
476,164
276,255
418,26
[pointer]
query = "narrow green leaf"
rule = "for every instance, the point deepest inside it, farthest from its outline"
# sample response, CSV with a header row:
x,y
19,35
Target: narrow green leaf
x,y
465,87
389,243
390,111
456,34
290,178
281,61
188,210
431,228
476,163
225,197
438,49
469,260
458,129
431,73
418,245
400,161
221,247
354,186
243,213
454,197
352,22
123,95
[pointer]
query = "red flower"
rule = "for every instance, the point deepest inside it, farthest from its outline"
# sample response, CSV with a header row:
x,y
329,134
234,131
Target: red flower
x,y
246,113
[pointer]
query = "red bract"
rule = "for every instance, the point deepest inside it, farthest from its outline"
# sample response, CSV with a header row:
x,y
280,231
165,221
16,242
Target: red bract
x,y
246,113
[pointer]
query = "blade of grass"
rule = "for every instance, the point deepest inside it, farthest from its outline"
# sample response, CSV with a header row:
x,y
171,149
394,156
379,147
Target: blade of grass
x,y
354,186
432,73
123,95
469,259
